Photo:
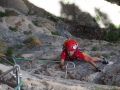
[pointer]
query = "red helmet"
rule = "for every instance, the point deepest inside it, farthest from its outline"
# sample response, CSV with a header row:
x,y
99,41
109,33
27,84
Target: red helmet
x,y
71,44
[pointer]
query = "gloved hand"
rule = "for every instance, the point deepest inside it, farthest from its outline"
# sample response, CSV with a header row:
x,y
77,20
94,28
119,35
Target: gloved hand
x,y
98,69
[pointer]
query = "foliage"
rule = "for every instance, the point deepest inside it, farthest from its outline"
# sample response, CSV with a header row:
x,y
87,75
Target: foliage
x,y
111,88
97,18
36,22
32,42
51,17
55,33
2,14
27,32
13,29
113,53
95,48
9,51
112,26
111,35
106,55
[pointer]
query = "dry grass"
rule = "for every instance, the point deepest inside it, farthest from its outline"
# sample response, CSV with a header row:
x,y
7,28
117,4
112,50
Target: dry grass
x,y
32,42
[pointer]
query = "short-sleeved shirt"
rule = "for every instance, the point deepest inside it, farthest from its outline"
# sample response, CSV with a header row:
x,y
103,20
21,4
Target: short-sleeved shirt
x,y
77,54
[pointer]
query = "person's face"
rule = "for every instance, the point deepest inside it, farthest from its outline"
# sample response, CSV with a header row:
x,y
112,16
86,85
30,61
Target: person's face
x,y
70,53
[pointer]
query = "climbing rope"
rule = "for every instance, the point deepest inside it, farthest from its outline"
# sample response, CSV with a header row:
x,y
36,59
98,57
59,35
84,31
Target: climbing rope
x,y
17,74
69,65
16,69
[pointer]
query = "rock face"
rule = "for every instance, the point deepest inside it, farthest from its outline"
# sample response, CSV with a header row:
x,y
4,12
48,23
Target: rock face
x,y
15,39
42,82
16,4
1,9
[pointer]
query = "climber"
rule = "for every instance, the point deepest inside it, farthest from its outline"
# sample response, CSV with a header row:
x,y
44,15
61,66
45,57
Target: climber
x,y
71,52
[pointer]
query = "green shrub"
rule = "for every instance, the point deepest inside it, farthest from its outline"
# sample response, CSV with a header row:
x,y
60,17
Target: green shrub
x,y
9,51
113,53
95,48
32,42
50,17
13,29
36,22
97,18
106,55
111,36
55,33
27,32
112,26
2,14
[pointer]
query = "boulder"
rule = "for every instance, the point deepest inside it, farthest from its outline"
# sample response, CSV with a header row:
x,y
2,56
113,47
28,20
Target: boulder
x,y
16,4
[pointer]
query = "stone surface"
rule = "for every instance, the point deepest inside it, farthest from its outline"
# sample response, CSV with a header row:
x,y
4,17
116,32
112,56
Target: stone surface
x,y
16,4
47,75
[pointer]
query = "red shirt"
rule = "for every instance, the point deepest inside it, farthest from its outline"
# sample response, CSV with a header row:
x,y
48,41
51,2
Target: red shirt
x,y
77,54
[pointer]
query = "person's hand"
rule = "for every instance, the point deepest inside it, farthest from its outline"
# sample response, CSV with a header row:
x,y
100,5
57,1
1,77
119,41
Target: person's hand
x,y
62,66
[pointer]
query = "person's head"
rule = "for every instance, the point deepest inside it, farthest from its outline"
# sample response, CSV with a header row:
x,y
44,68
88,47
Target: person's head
x,y
71,46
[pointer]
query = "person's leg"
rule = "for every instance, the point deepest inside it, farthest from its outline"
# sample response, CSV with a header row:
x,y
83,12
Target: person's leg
x,y
89,60
102,60
93,58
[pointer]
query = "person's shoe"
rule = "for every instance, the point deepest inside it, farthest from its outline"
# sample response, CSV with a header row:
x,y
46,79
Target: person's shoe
x,y
104,61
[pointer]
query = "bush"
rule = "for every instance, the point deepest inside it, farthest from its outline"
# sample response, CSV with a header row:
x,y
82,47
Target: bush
x,y
32,42
36,22
113,53
55,33
13,29
97,18
27,32
9,52
111,36
50,17
106,55
112,26
2,14
95,48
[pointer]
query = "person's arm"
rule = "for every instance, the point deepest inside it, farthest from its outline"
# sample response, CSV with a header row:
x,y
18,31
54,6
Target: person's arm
x,y
62,63
63,55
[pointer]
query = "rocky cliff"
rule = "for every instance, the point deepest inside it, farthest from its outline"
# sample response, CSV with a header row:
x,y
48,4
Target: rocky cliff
x,y
40,36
